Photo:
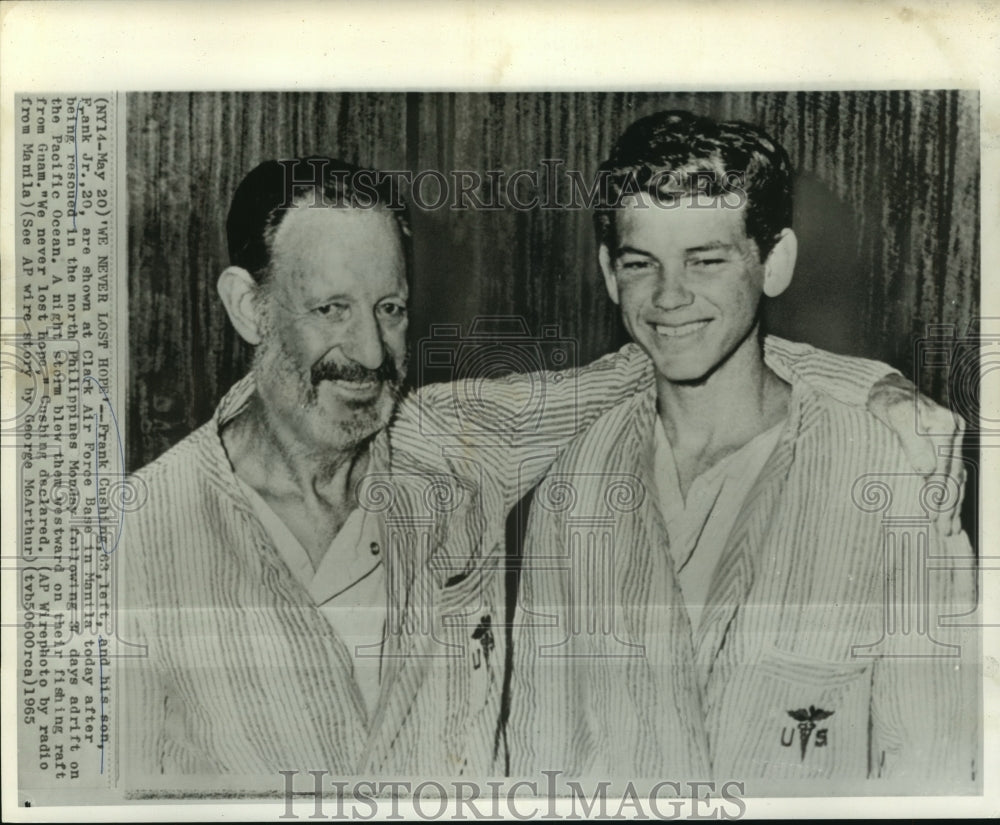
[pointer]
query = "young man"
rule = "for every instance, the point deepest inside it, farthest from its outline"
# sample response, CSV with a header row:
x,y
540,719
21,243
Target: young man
x,y
712,599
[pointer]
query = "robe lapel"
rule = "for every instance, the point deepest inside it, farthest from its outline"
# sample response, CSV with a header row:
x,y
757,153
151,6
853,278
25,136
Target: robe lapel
x,y
648,588
734,575
405,651
639,568
421,600
657,617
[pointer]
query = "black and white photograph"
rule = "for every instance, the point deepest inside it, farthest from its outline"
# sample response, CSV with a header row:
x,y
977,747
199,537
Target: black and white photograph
x,y
499,453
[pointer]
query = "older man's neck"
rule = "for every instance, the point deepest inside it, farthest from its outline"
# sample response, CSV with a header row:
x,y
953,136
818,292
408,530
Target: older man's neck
x,y
271,458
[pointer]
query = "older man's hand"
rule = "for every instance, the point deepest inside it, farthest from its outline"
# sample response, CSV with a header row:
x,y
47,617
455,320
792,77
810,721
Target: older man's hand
x,y
931,437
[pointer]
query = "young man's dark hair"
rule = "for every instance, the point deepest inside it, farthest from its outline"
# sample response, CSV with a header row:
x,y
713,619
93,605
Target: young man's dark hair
x,y
275,187
676,153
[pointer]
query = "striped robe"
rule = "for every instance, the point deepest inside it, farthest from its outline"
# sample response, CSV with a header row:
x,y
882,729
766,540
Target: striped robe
x,y
239,676
811,664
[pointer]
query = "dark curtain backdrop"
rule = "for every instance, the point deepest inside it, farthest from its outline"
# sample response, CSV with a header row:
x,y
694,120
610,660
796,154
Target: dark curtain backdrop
x,y
886,211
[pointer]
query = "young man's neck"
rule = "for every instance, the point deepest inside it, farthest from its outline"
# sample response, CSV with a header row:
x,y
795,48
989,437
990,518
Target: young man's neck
x,y
706,421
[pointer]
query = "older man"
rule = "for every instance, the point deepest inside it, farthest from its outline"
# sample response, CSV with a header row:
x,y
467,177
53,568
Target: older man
x,y
314,576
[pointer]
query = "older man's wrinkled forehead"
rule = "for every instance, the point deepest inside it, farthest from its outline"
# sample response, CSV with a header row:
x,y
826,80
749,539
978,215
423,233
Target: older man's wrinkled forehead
x,y
317,247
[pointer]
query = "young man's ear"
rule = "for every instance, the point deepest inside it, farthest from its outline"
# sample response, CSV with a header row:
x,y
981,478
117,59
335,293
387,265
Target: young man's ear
x,y
239,292
780,264
608,271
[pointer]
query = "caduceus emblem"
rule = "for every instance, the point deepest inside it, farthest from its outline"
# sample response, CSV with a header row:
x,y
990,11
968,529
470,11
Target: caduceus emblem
x,y
807,720
484,635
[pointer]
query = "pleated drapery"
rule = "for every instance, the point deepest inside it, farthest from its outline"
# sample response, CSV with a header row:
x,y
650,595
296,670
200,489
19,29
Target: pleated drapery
x,y
887,213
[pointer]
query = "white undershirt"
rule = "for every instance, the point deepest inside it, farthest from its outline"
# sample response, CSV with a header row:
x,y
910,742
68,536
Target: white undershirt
x,y
348,586
699,526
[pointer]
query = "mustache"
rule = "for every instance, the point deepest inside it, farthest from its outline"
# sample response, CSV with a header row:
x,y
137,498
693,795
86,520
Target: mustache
x,y
332,371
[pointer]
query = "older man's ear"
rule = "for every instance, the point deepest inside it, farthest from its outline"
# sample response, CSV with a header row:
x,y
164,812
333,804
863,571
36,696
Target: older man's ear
x,y
239,292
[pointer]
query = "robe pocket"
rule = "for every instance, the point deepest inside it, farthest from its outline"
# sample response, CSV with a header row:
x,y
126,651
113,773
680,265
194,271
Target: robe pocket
x,y
787,716
809,671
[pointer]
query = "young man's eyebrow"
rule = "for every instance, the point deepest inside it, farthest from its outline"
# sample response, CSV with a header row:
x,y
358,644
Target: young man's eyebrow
x,y
711,246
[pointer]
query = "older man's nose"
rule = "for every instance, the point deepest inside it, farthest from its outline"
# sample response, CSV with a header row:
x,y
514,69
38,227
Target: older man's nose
x,y
365,346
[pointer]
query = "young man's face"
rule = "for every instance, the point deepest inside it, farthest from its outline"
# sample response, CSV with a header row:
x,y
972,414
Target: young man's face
x,y
334,350
688,280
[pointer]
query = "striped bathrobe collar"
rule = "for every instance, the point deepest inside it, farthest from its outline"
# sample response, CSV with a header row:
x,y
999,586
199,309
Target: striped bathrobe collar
x,y
634,448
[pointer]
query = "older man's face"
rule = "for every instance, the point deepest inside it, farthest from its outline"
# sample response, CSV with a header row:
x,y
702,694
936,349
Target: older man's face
x,y
334,350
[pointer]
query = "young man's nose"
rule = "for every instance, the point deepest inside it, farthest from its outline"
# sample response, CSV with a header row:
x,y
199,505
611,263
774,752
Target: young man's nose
x,y
671,289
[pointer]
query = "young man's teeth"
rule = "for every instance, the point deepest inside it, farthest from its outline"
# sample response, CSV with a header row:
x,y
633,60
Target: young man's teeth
x,y
679,331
